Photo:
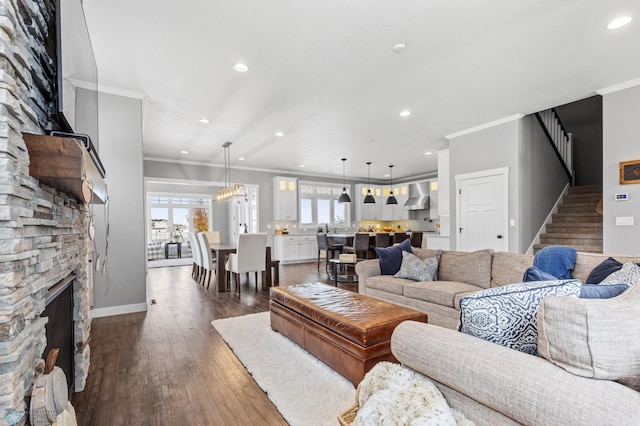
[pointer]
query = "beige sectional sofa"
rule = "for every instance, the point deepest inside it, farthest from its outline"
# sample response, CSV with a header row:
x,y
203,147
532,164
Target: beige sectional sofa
x,y
459,274
588,368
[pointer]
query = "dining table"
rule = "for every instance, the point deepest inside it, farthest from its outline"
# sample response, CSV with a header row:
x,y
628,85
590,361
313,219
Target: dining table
x,y
222,250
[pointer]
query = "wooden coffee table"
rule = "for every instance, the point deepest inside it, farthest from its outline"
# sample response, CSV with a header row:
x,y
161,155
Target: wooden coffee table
x,y
348,331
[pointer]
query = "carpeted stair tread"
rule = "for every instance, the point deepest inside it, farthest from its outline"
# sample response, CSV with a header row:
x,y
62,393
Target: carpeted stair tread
x,y
576,222
587,248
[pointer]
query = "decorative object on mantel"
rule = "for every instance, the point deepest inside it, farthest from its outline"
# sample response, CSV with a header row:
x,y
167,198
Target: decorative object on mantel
x,y
369,197
230,192
629,172
391,199
344,197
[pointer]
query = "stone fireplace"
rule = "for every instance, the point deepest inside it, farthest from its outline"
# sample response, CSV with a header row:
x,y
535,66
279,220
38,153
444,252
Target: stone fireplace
x,y
43,232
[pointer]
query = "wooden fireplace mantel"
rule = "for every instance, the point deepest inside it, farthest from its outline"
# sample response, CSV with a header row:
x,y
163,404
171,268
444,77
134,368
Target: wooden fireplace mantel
x,y
64,164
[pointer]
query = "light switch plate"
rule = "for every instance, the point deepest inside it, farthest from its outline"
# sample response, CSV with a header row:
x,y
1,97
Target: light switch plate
x,y
624,221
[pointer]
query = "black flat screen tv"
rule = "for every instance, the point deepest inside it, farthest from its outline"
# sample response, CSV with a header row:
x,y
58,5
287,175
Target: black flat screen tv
x,y
77,72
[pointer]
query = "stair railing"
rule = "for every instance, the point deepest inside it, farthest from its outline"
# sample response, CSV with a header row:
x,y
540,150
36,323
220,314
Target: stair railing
x,y
559,138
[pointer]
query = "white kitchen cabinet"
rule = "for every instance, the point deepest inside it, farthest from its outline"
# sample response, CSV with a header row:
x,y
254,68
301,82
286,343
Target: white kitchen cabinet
x,y
395,211
438,242
307,247
295,248
285,198
368,211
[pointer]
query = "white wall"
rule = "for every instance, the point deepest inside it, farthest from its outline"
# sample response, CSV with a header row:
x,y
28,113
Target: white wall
x,y
621,142
123,288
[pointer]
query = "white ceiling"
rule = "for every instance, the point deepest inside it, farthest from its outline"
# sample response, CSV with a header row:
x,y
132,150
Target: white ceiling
x,y
325,73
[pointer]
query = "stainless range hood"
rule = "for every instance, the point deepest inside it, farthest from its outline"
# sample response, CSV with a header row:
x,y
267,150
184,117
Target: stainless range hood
x,y
418,196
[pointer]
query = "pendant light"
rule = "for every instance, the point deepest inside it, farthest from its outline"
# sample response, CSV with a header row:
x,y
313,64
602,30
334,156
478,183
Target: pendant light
x,y
369,198
391,199
344,197
231,192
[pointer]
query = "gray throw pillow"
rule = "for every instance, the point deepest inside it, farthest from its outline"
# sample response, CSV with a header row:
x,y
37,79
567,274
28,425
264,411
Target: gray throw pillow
x,y
414,268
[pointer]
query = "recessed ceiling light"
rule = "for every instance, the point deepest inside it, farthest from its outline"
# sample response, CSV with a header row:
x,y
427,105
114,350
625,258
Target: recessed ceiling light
x,y
386,175
241,158
399,47
301,166
279,134
428,153
184,152
619,22
405,113
204,121
241,67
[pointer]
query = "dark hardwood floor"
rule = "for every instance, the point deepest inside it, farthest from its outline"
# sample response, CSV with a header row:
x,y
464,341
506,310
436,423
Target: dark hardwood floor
x,y
168,366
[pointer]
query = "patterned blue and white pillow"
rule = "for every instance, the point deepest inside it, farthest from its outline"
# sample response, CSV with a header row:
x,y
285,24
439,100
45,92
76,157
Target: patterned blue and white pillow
x,y
414,268
506,315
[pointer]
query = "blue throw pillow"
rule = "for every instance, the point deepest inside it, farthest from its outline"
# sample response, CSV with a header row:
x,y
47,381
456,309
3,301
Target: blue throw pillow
x,y
391,257
506,315
535,274
605,291
603,270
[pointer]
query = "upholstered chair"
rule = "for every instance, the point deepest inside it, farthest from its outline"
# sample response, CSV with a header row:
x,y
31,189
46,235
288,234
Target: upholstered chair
x,y
250,256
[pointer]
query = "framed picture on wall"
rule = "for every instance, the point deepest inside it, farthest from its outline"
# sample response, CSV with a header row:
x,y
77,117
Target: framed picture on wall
x,y
630,172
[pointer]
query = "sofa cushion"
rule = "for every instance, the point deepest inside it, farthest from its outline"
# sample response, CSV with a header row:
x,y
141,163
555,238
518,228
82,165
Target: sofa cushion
x,y
387,283
506,315
423,253
391,257
586,262
603,270
458,297
438,292
628,274
535,274
595,291
593,338
508,268
470,268
414,268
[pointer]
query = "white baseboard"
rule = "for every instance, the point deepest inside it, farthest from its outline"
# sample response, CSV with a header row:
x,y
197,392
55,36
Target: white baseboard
x,y
118,310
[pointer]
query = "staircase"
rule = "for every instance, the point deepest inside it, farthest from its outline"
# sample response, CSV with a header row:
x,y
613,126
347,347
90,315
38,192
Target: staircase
x,y
576,224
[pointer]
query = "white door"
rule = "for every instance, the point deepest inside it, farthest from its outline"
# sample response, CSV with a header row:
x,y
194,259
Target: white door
x,y
482,211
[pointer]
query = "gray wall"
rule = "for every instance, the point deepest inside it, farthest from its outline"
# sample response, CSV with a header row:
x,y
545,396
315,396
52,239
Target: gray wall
x,y
123,288
583,118
158,170
542,180
621,130
491,148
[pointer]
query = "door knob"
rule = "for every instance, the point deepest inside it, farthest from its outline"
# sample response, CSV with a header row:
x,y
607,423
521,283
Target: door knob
x,y
499,236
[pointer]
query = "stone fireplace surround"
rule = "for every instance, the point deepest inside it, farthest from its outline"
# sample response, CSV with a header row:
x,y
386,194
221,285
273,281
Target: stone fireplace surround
x,y
43,233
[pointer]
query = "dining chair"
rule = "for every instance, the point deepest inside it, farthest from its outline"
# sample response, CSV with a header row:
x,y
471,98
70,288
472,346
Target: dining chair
x,y
399,237
416,238
208,261
382,239
250,256
197,256
330,250
214,238
360,246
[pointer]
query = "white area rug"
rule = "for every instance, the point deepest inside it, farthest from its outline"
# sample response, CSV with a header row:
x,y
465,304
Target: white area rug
x,y
304,389
162,263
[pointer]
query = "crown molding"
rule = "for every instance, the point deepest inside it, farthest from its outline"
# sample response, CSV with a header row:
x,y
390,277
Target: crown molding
x,y
484,126
618,87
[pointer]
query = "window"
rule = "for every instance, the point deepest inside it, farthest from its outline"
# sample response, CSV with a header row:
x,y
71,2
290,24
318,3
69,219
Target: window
x,y
174,217
319,205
